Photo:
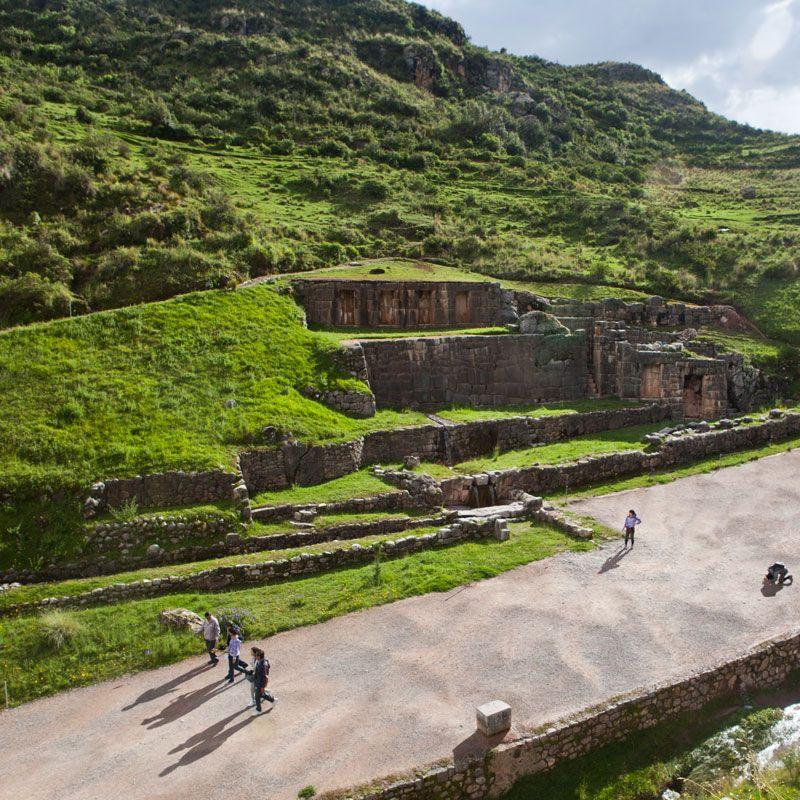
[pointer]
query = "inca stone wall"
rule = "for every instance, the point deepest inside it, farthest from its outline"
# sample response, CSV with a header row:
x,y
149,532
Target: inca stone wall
x,y
483,371
164,489
545,479
404,304
293,463
493,774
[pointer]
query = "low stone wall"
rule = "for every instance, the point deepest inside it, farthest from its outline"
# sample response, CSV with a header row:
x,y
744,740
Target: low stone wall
x,y
545,479
117,539
483,371
265,572
494,773
163,489
445,442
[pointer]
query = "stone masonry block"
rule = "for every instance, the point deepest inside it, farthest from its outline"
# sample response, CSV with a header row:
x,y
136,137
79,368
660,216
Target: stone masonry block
x,y
493,717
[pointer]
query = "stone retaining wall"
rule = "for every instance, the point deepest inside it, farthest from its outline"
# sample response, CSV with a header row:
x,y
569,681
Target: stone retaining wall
x,y
545,479
265,572
163,489
493,774
483,371
445,442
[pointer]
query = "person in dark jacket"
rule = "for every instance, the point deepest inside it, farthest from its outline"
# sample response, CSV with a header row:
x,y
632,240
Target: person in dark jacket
x,y
259,675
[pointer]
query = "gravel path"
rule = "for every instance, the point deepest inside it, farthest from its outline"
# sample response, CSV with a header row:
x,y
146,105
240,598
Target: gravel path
x,y
385,690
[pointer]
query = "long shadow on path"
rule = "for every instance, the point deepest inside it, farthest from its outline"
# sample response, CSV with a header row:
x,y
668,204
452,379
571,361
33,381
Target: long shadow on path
x,y
613,561
206,742
185,703
166,688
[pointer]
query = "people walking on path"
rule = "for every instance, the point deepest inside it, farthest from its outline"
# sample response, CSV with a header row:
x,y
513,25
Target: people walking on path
x,y
259,675
631,521
211,636
234,651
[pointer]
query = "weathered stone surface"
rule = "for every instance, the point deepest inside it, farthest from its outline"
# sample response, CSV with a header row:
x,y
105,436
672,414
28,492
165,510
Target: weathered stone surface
x,y
181,619
493,717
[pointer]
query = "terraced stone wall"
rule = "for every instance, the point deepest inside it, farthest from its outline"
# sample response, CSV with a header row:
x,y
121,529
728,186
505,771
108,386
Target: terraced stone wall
x,y
482,371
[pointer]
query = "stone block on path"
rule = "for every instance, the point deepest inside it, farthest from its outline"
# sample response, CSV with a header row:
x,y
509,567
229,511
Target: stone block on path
x,y
493,717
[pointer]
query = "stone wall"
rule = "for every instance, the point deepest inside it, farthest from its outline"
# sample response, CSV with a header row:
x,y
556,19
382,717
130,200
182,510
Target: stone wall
x,y
652,311
546,479
493,773
163,489
388,501
444,442
258,574
483,371
404,304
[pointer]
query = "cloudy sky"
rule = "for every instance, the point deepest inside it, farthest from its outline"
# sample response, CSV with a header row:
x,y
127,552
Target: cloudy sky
x,y
740,57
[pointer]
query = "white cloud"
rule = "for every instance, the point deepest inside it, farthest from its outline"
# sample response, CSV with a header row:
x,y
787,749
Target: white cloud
x,y
740,57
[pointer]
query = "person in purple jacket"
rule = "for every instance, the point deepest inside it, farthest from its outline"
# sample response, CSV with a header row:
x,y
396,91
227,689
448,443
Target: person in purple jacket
x,y
234,649
631,521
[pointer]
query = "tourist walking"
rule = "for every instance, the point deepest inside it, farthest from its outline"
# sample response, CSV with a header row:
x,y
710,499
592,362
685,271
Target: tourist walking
x,y
631,521
259,675
234,651
211,636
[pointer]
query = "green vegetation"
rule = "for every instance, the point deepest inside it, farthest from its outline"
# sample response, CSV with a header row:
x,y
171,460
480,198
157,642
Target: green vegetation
x,y
355,484
126,637
394,269
593,444
32,592
466,414
349,334
198,145
701,755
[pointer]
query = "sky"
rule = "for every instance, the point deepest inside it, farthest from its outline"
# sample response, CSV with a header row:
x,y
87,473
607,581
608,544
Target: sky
x,y
740,57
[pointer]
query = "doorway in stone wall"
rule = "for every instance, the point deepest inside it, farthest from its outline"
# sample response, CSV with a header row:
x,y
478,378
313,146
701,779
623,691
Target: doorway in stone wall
x,y
462,308
651,382
693,396
388,308
425,307
347,308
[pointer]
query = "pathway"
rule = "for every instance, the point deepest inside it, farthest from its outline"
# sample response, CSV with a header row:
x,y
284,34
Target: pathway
x,y
384,690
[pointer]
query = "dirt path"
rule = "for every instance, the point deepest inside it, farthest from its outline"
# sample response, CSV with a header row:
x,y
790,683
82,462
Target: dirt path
x,y
385,690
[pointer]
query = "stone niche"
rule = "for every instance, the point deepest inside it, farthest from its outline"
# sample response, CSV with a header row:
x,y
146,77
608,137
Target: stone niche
x,y
404,304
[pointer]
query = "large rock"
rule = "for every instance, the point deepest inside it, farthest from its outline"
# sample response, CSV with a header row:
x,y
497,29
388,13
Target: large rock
x,y
541,322
493,717
181,619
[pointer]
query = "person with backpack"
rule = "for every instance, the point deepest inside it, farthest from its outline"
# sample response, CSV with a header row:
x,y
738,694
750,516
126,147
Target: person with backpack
x,y
234,651
259,677
211,636
631,521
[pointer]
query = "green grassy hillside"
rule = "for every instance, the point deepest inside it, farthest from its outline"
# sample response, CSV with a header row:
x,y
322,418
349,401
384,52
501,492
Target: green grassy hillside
x,y
151,150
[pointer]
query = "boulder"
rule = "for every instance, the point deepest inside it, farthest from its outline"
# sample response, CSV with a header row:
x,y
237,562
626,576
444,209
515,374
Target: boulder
x,y
181,619
154,550
410,462
542,323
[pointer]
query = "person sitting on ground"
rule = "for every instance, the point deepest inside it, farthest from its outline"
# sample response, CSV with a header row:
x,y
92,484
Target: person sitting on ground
x,y
631,521
777,573
234,661
211,636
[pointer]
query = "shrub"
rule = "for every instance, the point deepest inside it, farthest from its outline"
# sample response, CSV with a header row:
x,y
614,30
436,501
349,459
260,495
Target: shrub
x,y
239,617
127,512
306,792
58,628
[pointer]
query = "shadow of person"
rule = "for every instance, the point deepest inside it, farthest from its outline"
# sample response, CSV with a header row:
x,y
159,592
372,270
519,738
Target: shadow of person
x,y
770,589
475,746
166,688
612,562
184,703
206,742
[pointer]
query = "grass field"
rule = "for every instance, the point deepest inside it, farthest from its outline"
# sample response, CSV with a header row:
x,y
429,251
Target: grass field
x,y
108,641
355,484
